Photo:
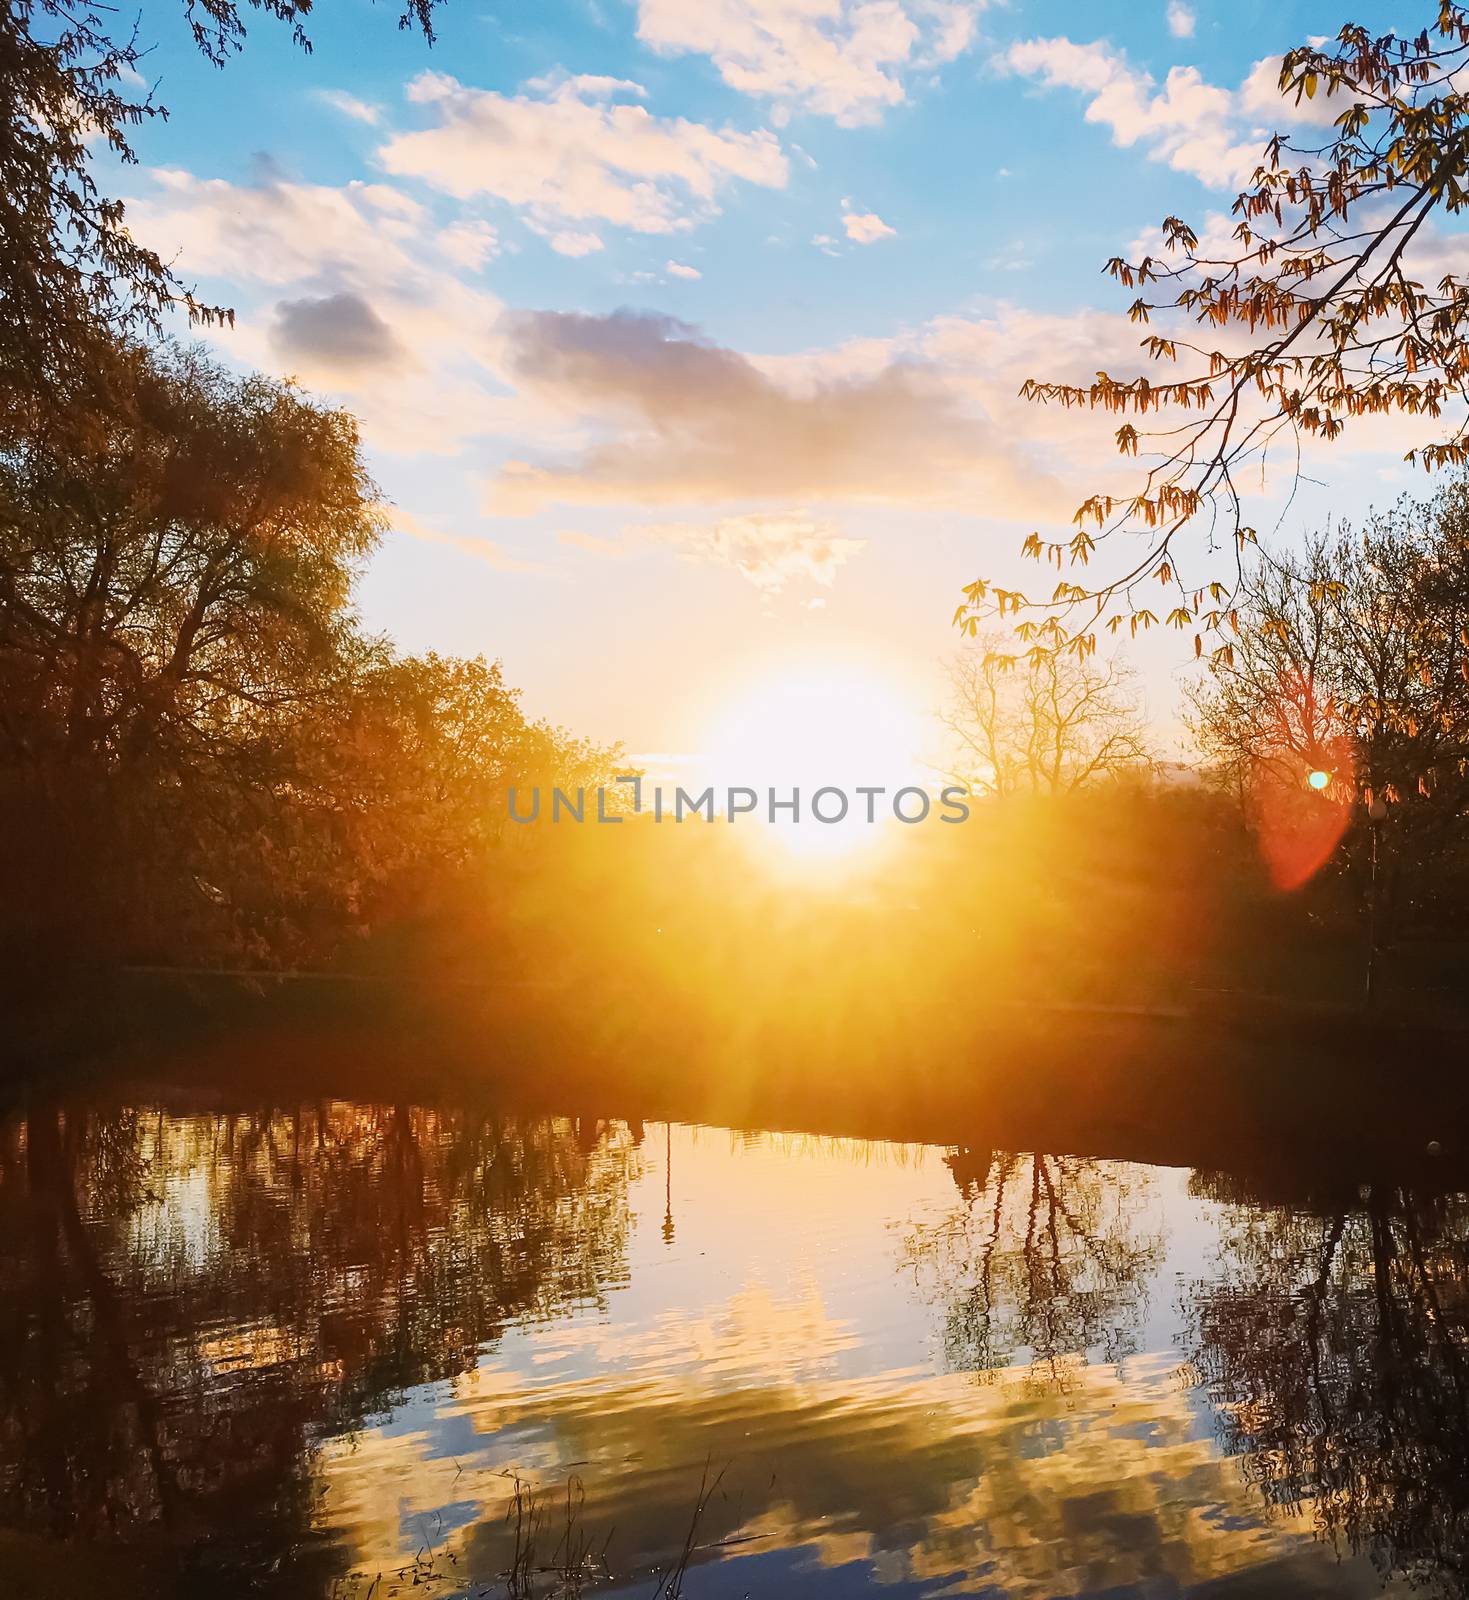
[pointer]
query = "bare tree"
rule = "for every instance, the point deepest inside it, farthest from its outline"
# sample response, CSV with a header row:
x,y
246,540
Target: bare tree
x,y
1048,725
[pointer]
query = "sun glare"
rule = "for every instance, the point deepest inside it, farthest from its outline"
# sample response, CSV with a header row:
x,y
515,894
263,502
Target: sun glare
x,y
834,726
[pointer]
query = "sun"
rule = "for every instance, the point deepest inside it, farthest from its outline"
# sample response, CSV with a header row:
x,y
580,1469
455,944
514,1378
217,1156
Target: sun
x,y
832,725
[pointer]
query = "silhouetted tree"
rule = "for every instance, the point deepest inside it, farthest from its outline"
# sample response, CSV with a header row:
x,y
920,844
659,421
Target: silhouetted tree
x,y
1049,726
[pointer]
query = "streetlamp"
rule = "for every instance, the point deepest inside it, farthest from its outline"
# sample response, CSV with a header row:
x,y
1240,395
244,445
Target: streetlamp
x,y
1376,816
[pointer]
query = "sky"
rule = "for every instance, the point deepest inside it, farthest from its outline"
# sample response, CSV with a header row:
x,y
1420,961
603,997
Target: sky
x,y
686,335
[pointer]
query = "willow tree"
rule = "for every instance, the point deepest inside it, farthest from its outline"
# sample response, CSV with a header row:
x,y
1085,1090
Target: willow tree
x,y
175,604
1304,322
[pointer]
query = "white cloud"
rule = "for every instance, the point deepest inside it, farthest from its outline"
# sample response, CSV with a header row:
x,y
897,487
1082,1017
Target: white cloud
x,y
1194,126
469,244
1260,96
349,105
275,232
571,241
846,59
1181,20
681,269
574,153
866,227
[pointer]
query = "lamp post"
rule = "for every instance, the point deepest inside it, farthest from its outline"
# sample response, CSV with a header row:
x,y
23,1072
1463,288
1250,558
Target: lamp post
x,y
1376,816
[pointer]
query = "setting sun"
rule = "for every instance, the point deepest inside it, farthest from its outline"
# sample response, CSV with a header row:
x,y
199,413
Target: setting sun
x,y
818,726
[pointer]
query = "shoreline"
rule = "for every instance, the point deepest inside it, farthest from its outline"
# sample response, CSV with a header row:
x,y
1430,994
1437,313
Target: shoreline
x,y
1231,1082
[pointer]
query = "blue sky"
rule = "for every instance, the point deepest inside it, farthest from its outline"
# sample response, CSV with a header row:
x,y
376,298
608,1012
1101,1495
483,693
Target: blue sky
x,y
686,333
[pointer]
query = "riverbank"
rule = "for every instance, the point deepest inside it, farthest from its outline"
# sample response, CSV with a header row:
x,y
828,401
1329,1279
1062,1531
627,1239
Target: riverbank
x,y
1224,1080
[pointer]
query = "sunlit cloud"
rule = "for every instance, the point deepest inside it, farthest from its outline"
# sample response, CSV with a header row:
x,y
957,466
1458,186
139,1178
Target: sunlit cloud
x,y
681,269
674,417
770,550
866,227
1181,20
574,151
846,59
468,244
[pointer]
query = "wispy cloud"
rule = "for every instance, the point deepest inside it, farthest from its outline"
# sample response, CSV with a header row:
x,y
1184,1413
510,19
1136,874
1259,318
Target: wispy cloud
x,y
350,105
1194,126
847,59
486,550
770,550
469,244
592,543
575,152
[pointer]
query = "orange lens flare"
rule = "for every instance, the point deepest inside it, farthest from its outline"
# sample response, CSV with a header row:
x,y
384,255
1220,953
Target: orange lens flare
x,y
1298,826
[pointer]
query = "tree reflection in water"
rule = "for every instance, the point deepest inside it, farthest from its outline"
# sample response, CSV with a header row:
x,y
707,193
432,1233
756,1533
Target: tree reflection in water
x,y
189,1305
1045,1259
1334,1344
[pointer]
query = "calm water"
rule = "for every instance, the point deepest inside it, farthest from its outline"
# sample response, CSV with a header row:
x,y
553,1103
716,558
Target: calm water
x,y
287,1354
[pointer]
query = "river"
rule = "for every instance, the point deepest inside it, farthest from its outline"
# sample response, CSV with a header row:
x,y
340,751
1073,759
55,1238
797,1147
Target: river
x,y
343,1350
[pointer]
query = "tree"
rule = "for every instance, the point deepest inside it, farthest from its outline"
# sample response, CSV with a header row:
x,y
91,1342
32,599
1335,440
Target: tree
x,y
200,748
1309,317
1050,725
72,277
1353,659
175,585
170,583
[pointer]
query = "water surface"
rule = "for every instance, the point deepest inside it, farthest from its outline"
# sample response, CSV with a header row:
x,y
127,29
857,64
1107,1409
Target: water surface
x,y
346,1349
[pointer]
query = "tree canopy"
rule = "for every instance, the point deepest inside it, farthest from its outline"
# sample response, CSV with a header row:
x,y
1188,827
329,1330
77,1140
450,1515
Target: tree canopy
x,y
201,748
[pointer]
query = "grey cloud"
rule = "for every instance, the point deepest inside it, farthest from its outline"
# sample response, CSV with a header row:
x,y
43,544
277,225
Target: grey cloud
x,y
687,420
340,332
